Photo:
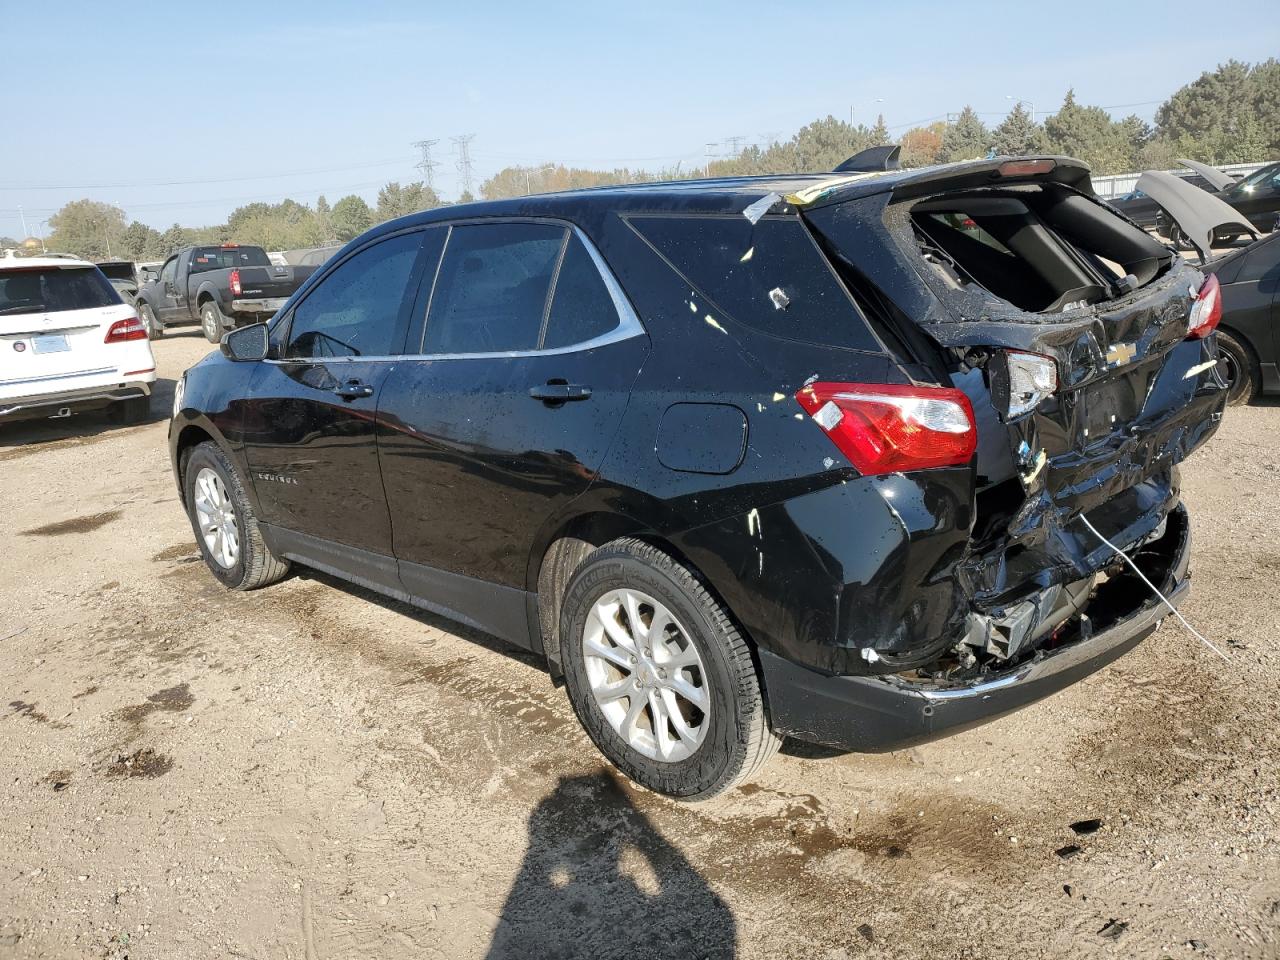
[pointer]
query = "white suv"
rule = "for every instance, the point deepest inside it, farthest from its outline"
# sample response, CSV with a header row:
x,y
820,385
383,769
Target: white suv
x,y
68,343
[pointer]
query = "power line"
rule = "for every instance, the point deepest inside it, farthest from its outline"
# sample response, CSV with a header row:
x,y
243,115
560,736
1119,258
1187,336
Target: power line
x,y
462,146
426,164
182,183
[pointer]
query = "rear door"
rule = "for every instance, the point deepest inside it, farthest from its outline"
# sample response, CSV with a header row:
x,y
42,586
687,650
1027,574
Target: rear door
x,y
309,419
525,363
53,325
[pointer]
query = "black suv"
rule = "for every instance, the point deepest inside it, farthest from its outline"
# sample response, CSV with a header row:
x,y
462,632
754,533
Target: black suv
x,y
824,456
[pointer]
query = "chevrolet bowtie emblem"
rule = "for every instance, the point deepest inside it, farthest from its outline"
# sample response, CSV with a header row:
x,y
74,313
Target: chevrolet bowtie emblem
x,y
1120,353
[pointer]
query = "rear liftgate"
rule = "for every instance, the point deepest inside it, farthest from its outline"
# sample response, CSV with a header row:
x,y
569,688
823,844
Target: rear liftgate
x,y
1081,343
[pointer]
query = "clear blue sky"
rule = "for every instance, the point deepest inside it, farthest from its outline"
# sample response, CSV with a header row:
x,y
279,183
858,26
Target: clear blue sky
x,y
259,101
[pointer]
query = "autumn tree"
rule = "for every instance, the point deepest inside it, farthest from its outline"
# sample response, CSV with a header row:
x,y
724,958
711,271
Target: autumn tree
x,y
921,145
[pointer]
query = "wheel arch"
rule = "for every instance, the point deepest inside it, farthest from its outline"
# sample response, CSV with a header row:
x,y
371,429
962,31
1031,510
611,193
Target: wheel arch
x,y
572,542
1246,342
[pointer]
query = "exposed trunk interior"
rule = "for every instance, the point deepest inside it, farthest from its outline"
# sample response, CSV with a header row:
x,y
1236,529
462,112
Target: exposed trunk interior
x,y
1041,247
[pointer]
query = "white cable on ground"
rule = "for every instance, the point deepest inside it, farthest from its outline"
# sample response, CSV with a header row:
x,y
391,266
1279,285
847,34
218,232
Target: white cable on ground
x,y
1154,589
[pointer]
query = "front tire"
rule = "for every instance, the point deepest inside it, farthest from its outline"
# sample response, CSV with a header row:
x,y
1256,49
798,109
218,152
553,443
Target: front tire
x,y
148,317
222,518
659,676
211,321
1243,374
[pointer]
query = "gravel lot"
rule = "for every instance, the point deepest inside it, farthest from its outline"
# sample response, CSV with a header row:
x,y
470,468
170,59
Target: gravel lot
x,y
312,772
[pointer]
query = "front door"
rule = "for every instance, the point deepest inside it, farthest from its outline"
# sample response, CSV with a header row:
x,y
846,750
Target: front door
x,y
526,363
309,420
166,307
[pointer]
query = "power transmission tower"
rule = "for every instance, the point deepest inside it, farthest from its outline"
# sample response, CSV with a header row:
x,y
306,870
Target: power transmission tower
x,y
711,150
734,144
426,164
462,145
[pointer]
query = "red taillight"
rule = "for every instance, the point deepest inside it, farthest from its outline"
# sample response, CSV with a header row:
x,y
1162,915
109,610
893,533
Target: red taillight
x,y
122,331
1206,310
889,428
1025,168
234,280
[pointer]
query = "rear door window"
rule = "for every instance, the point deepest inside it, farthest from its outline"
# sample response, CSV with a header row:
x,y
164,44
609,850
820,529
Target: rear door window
x,y
54,290
358,310
493,286
769,276
581,307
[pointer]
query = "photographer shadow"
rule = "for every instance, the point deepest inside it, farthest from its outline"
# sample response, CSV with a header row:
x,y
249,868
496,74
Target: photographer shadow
x,y
599,881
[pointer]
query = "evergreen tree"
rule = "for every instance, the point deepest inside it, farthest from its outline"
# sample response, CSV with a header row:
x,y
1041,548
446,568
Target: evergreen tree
x,y
966,139
1018,134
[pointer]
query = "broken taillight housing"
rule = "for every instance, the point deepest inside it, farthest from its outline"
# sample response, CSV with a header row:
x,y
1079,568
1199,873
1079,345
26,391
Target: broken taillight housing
x,y
889,428
1031,379
234,282
1206,309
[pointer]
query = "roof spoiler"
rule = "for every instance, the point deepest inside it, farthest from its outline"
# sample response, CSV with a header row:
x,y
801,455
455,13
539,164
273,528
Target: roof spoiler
x,y
872,160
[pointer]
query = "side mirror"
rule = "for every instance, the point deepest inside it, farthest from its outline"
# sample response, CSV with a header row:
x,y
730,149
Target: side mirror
x,y
246,343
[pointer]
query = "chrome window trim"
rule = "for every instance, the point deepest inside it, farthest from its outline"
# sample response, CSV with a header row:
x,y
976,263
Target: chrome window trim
x,y
629,324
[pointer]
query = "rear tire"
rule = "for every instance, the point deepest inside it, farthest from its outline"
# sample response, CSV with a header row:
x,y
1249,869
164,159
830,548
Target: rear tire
x,y
1177,239
212,321
215,496
698,656
1243,373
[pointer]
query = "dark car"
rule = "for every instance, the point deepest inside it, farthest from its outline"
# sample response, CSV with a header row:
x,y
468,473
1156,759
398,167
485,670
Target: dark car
x,y
123,276
220,287
1249,280
1144,211
1256,197
821,456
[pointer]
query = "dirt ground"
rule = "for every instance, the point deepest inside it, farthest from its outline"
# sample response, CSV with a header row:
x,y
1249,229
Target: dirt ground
x,y
312,772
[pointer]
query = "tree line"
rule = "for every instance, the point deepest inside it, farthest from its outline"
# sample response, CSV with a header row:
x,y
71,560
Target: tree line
x,y
1228,115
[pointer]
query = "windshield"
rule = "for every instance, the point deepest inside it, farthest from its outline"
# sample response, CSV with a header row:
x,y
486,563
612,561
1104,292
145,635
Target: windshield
x,y
227,258
53,289
1257,177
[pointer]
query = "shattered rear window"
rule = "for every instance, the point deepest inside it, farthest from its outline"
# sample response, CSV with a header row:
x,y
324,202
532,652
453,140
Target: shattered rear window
x,y
1041,249
769,276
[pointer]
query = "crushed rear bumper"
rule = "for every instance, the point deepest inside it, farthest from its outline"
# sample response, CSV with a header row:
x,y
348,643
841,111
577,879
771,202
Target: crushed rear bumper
x,y
879,713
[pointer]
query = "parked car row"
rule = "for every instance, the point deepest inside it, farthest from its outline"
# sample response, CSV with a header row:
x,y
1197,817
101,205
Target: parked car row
x,y
1256,197
1249,279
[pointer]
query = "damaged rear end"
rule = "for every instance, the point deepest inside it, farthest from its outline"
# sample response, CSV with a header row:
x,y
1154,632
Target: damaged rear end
x,y
1085,349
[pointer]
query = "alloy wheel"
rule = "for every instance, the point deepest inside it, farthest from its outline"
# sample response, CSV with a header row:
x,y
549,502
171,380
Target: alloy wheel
x,y
646,675
217,518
